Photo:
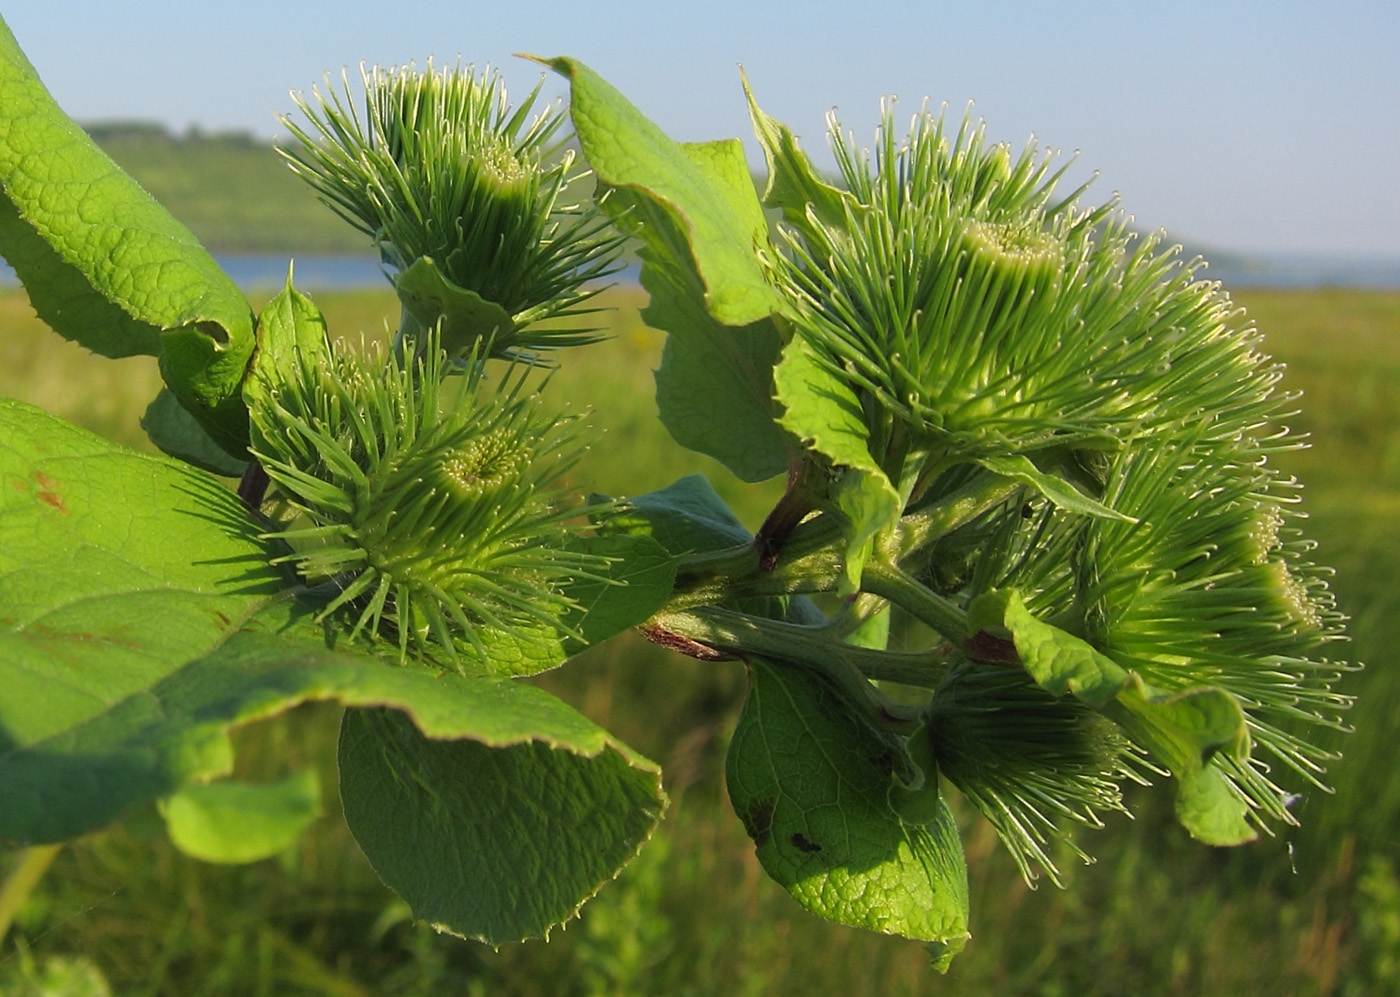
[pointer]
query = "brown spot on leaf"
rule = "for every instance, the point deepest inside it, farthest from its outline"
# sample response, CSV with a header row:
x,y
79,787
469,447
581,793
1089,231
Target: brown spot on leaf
x,y
805,843
48,492
55,500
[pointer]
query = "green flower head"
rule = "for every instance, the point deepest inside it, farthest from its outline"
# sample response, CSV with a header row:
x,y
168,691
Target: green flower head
x,y
428,498
1208,586
949,287
467,200
1213,586
1033,764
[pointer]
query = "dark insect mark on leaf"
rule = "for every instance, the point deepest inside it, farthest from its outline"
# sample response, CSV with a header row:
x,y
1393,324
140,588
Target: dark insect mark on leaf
x,y
991,649
758,819
801,841
882,761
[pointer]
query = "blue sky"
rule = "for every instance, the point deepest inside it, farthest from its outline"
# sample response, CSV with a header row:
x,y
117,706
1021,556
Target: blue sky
x,y
1254,126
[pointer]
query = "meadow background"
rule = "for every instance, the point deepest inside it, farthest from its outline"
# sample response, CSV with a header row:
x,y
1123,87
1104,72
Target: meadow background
x,y
1315,910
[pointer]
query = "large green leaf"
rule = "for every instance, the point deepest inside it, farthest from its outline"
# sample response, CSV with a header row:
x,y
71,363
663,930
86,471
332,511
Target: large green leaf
x,y
170,427
109,268
142,622
694,208
714,388
811,782
640,576
496,839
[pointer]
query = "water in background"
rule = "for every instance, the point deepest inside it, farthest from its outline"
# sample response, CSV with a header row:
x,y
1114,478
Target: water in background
x,y
260,271
267,271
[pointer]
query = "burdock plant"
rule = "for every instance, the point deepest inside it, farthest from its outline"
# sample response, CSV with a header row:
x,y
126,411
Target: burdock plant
x,y
1150,569
467,199
1032,544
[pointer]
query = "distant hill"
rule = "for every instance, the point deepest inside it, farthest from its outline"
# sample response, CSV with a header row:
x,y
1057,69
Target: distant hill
x,y
232,190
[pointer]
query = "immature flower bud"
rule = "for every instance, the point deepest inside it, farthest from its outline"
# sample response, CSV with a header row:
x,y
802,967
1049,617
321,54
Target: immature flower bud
x,y
953,293
1032,764
428,495
442,169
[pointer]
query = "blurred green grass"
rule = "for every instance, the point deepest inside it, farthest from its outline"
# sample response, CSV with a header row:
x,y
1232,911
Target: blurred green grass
x,y
233,191
1315,910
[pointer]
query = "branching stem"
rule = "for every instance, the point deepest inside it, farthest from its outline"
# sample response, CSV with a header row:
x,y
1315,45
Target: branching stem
x,y
850,668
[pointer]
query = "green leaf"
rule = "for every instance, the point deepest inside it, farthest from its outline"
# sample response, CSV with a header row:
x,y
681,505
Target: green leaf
x,y
109,268
705,189
230,821
794,186
140,622
689,517
811,782
1059,662
171,427
515,653
291,329
467,318
714,389
1182,731
1059,491
685,517
1185,731
497,838
291,333
696,212
638,584
916,801
823,412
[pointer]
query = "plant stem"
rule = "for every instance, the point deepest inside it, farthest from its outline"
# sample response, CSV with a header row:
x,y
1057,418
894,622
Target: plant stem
x,y
946,617
731,633
792,508
811,559
21,880
810,563
252,488
923,526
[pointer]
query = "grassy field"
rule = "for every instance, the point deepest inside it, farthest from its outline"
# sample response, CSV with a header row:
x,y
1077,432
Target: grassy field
x,y
1314,911
232,191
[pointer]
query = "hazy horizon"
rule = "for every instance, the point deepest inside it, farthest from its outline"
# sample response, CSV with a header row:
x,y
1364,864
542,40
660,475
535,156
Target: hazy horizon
x,y
1239,127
